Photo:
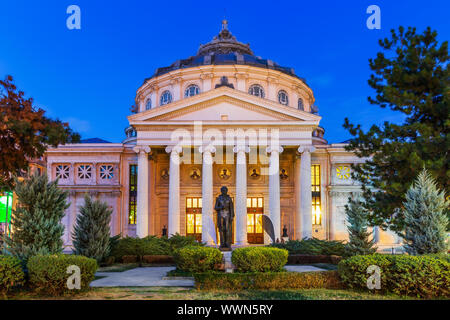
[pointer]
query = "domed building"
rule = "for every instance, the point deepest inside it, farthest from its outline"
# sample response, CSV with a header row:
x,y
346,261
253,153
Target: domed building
x,y
224,117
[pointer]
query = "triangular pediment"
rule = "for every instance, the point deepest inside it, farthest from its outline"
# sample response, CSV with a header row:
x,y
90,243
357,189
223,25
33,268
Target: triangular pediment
x,y
223,104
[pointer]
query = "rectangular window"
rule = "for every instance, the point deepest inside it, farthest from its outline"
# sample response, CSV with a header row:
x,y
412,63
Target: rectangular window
x,y
133,194
315,189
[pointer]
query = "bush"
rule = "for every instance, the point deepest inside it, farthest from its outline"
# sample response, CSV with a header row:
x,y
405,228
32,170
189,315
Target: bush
x,y
267,280
197,259
48,273
11,273
313,246
421,276
259,259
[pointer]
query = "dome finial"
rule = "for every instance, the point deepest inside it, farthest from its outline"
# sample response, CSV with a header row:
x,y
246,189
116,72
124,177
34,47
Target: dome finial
x,y
224,24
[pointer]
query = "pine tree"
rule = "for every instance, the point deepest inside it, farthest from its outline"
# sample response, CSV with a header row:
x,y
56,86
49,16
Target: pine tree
x,y
92,232
36,222
359,237
425,217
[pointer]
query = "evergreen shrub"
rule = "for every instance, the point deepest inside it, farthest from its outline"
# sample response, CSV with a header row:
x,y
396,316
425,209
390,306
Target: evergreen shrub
x,y
259,259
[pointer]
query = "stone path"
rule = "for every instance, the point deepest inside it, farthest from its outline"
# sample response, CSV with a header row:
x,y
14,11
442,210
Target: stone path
x,y
155,277
140,277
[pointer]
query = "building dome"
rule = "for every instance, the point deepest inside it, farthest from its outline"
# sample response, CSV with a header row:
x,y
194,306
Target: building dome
x,y
224,49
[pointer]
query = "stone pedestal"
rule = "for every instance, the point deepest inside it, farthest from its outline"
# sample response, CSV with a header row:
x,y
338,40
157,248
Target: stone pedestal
x,y
228,265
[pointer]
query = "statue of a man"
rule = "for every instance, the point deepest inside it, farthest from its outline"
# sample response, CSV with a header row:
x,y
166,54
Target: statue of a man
x,y
225,214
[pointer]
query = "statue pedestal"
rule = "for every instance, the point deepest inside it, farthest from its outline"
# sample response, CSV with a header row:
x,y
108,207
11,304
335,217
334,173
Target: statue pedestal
x,y
228,265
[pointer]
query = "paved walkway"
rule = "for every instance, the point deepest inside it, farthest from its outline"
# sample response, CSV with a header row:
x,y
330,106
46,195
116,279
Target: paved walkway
x,y
139,277
153,277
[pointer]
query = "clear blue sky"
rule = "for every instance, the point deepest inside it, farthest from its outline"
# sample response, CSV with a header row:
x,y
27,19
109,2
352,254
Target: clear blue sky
x,y
89,77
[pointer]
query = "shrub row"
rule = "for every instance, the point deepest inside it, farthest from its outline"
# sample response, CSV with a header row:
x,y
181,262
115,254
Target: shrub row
x,y
150,246
259,259
267,280
422,276
312,258
11,273
313,247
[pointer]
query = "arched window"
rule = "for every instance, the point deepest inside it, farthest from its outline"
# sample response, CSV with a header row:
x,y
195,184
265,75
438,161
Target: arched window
x,y
300,104
283,97
191,91
256,90
166,98
148,105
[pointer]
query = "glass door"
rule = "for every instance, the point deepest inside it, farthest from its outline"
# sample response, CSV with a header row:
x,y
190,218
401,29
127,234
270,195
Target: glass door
x,y
194,217
255,210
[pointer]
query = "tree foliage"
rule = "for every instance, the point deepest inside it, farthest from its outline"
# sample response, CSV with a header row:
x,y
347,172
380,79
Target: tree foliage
x,y
36,222
425,219
359,237
25,132
411,76
91,234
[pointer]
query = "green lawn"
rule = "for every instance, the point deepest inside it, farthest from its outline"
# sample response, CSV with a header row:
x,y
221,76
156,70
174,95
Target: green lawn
x,y
178,293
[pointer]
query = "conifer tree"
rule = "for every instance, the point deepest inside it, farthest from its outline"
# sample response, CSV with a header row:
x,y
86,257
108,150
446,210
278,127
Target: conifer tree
x,y
425,217
92,232
36,222
359,237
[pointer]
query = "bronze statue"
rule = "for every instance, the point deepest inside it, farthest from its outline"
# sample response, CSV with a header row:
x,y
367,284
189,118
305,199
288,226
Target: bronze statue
x,y
225,214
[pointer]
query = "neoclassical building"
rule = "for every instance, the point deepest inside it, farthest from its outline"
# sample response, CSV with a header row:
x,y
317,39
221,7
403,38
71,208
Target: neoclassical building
x,y
224,117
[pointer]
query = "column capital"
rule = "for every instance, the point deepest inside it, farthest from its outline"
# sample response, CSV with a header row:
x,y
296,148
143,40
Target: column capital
x,y
208,148
278,149
303,149
176,149
241,148
139,149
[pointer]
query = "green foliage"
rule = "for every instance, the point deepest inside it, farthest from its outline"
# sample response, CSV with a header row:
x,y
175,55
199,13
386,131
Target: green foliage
x,y
11,273
36,222
411,77
312,246
259,259
91,235
267,280
197,259
425,217
420,276
177,241
48,273
25,132
359,238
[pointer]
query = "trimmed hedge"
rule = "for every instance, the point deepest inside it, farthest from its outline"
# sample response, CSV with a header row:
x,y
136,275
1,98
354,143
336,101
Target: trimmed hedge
x,y
421,276
197,259
312,258
267,280
313,247
11,273
48,273
259,259
149,246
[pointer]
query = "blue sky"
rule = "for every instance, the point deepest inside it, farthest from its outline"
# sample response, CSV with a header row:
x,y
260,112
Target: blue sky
x,y
89,77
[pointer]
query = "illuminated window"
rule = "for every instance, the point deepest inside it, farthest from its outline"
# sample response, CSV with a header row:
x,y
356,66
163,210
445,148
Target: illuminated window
x,y
256,90
343,172
133,194
194,217
315,189
255,210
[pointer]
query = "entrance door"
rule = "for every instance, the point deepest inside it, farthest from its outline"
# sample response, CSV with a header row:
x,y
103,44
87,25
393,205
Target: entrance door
x,y
194,217
255,210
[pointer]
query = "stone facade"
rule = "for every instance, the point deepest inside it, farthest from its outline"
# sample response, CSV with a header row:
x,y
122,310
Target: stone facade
x,y
253,128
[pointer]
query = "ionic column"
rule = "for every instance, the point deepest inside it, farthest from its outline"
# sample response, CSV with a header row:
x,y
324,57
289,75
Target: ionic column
x,y
305,191
241,194
174,189
208,228
142,191
274,189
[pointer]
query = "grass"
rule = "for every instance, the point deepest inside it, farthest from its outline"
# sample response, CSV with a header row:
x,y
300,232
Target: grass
x,y
180,293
